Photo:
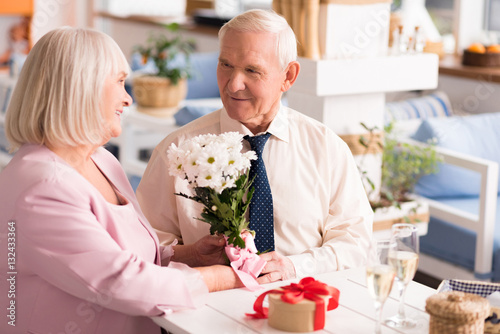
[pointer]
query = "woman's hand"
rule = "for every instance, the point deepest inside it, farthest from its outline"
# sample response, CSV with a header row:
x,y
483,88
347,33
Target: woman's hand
x,y
219,278
207,251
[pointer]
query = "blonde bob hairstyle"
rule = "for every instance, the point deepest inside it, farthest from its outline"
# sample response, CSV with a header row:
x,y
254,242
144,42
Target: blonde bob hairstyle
x,y
56,101
266,21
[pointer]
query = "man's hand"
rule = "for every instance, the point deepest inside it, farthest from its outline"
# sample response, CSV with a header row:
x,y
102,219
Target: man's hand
x,y
207,251
278,267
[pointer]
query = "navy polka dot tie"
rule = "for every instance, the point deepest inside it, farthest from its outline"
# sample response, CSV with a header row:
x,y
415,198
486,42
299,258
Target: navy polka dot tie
x,y
261,205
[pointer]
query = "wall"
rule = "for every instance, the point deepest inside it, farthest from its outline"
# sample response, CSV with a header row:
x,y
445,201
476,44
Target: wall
x,y
471,96
50,14
130,33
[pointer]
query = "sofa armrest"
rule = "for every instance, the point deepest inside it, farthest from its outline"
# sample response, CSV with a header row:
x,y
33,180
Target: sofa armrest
x,y
484,222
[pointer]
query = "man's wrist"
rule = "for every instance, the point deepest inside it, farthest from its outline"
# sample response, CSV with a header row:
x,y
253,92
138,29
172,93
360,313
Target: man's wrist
x,y
184,254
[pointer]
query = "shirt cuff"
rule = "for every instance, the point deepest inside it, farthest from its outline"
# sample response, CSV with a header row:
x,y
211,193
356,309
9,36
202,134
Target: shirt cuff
x,y
307,265
168,251
304,264
194,282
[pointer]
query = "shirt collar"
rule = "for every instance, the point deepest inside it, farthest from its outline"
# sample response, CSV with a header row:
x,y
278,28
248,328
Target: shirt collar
x,y
278,127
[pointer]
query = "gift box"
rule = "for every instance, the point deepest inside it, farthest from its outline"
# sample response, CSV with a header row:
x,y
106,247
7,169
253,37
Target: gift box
x,y
297,317
353,29
483,289
298,307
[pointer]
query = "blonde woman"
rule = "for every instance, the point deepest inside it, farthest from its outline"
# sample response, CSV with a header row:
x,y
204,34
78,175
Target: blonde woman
x,y
77,252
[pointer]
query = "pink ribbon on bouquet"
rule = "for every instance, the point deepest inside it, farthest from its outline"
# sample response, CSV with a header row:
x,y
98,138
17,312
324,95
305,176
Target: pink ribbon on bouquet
x,y
245,262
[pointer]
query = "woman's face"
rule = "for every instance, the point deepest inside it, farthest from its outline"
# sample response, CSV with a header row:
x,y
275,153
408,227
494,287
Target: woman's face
x,y
115,97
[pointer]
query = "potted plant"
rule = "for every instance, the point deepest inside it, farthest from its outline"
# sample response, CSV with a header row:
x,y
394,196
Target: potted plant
x,y
403,164
162,91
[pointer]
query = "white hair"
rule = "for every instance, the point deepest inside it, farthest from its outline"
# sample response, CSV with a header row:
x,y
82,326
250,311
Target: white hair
x,y
259,20
56,101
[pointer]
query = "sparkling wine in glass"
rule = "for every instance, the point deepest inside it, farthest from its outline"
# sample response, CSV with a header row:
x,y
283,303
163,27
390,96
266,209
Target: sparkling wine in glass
x,y
403,256
379,276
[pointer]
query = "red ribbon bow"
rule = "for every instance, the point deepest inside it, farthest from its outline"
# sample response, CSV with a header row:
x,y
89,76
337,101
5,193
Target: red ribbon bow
x,y
307,288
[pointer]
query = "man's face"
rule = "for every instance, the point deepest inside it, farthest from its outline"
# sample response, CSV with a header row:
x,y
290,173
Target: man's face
x,y
250,78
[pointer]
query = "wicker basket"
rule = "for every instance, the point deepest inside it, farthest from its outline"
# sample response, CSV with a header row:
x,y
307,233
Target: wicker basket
x,y
156,92
481,59
483,289
456,312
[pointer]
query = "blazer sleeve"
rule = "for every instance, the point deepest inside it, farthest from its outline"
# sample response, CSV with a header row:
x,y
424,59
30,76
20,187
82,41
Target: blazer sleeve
x,y
62,241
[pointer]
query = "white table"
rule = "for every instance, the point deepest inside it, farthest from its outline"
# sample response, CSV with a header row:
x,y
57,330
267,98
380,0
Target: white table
x,y
224,311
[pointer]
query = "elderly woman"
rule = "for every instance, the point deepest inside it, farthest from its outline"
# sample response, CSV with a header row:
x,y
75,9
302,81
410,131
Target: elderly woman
x,y
78,254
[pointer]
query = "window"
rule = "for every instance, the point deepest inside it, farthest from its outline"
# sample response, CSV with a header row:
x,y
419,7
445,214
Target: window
x,y
492,15
441,13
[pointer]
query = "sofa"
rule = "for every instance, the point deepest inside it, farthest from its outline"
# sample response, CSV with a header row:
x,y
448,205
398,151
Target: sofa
x,y
464,193
463,240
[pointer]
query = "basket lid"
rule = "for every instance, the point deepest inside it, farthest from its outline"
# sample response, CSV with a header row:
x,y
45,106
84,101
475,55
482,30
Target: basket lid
x,y
457,306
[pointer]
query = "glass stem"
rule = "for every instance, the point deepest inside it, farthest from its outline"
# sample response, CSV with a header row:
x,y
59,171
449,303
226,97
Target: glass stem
x,y
402,290
378,314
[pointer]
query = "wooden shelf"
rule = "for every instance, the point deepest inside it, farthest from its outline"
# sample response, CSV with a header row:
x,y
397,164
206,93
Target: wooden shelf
x,y
193,5
452,65
186,22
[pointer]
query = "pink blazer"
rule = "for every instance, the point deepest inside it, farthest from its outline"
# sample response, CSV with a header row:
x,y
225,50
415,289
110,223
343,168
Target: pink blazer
x,y
73,263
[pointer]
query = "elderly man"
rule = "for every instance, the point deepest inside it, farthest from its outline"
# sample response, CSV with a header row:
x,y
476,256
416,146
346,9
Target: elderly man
x,y
318,217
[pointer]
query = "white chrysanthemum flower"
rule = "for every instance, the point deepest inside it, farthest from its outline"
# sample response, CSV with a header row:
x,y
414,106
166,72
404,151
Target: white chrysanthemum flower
x,y
208,178
212,156
236,164
226,183
233,140
250,155
176,157
203,140
210,160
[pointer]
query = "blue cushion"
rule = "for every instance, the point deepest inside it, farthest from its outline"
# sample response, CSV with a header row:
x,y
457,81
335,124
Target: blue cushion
x,y
203,83
134,181
429,106
190,113
477,135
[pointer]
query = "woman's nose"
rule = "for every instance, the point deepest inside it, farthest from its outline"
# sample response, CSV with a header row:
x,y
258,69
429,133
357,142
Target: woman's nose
x,y
127,101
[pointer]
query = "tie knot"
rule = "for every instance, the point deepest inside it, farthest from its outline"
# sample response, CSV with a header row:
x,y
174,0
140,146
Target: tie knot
x,y
257,143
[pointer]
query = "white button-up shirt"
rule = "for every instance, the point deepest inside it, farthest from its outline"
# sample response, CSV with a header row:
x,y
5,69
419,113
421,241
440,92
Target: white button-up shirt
x,y
322,217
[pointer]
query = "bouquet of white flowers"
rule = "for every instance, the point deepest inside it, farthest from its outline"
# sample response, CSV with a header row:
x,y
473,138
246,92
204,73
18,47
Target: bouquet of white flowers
x,y
217,173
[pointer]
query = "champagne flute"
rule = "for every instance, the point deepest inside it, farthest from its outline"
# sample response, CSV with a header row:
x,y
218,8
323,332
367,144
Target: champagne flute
x,y
379,276
403,256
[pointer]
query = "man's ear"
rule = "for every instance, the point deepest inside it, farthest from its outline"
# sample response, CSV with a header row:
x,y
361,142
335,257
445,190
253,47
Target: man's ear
x,y
291,74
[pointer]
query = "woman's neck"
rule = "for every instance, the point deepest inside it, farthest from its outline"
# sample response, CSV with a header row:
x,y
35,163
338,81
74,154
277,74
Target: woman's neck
x,y
80,158
77,157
